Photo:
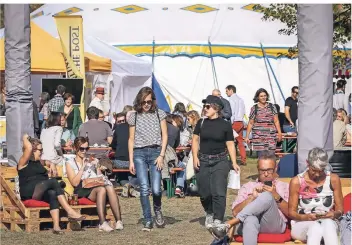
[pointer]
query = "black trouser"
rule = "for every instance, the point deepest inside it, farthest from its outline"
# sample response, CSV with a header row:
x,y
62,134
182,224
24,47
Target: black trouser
x,y
48,191
212,183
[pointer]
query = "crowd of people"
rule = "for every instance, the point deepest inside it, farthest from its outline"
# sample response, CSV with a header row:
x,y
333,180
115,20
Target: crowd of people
x,y
142,137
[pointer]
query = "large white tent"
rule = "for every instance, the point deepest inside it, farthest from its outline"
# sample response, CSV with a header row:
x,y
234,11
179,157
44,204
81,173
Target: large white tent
x,y
183,35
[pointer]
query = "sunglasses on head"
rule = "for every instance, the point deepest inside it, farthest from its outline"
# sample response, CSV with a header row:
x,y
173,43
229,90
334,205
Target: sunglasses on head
x,y
121,121
82,149
147,102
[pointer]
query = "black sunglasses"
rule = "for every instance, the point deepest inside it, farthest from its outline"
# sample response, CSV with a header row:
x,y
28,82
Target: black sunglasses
x,y
121,121
83,149
147,102
295,92
207,107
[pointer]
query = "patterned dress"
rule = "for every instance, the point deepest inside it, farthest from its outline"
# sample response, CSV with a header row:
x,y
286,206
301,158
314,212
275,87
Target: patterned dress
x,y
264,130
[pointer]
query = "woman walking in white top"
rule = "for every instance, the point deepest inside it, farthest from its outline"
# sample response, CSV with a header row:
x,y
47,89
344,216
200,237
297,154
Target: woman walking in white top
x,y
147,145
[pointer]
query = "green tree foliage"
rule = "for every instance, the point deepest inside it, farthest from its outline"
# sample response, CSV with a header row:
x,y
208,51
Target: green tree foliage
x,y
31,6
287,14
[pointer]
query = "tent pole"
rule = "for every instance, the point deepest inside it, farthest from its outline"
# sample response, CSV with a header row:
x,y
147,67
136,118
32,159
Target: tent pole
x,y
215,77
153,55
267,72
272,71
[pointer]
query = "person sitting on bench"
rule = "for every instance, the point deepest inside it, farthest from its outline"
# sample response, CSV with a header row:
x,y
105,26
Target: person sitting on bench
x,y
80,169
35,184
261,206
316,201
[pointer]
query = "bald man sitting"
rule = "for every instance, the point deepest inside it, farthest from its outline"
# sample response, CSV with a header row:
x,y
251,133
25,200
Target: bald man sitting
x,y
226,113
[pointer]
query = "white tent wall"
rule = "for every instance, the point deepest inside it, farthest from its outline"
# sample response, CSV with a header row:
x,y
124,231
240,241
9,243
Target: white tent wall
x,y
122,62
191,80
129,74
124,90
96,79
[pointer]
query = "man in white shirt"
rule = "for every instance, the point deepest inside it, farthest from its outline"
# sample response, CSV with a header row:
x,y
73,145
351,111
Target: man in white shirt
x,y
238,111
98,100
339,96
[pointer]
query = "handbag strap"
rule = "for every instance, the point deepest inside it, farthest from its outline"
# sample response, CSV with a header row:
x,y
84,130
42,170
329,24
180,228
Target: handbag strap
x,y
74,159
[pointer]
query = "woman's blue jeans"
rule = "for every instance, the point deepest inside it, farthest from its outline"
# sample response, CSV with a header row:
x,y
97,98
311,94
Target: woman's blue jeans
x,y
181,175
144,160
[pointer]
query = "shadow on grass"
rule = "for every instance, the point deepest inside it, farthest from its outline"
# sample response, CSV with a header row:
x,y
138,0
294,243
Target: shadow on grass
x,y
200,220
168,220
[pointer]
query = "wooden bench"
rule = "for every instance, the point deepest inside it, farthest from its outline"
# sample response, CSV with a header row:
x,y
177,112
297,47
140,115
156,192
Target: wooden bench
x,y
15,216
346,189
170,182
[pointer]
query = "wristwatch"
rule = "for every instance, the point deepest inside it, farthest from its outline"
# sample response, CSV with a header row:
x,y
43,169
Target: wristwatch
x,y
279,200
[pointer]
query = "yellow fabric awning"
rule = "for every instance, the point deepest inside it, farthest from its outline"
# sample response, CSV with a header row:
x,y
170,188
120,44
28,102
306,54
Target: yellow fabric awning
x,y
46,54
96,63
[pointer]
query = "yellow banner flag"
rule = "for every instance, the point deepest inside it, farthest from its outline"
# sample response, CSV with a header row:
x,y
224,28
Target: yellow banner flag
x,y
70,29
168,99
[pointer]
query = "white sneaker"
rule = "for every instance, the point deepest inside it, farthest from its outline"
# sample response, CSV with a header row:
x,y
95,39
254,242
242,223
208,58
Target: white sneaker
x,y
119,225
209,220
105,227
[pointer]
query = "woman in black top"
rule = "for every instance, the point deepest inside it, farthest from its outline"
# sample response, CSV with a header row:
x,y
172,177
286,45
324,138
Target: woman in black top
x,y
212,142
35,184
173,133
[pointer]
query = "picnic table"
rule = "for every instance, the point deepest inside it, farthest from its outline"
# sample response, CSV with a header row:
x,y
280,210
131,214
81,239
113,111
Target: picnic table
x,y
289,142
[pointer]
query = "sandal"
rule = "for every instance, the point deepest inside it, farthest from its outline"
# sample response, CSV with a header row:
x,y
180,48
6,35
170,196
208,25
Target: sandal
x,y
81,218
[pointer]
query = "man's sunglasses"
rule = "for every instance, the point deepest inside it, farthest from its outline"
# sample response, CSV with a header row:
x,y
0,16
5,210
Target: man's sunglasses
x,y
121,121
295,92
82,149
147,102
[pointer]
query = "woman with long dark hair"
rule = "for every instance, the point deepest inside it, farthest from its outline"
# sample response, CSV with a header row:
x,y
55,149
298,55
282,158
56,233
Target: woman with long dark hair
x,y
212,144
147,145
263,123
35,184
81,168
